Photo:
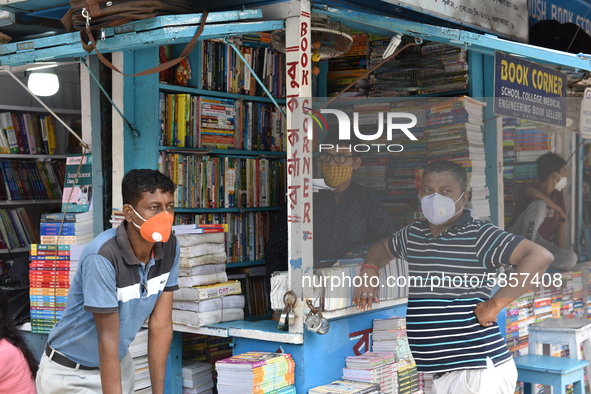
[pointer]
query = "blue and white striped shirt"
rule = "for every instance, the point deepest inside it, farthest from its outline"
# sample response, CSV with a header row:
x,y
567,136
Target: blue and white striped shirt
x,y
448,277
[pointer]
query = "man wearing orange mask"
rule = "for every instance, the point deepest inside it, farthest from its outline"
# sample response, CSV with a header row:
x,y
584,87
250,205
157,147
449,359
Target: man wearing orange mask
x,y
347,220
125,276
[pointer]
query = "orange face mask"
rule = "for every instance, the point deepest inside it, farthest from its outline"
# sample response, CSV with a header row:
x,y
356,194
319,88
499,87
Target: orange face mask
x,y
157,228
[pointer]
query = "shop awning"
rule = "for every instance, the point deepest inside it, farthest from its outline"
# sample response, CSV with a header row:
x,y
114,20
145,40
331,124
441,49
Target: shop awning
x,y
482,43
163,30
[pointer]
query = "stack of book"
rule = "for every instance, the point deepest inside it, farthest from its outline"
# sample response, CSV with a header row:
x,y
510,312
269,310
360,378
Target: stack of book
x,y
256,372
75,229
346,386
347,68
205,295
374,367
377,47
455,61
206,348
28,180
197,378
455,133
426,382
117,218
389,335
51,270
139,352
16,229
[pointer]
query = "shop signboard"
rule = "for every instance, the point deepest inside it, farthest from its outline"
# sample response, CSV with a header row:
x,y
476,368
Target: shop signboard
x,y
563,11
527,90
505,18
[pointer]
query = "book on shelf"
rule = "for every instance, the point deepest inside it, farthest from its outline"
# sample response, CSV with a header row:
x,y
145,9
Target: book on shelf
x,y
24,180
27,133
77,195
16,229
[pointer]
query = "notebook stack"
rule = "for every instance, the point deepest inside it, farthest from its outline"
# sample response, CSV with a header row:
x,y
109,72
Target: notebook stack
x,y
51,271
389,335
372,367
197,378
346,386
257,373
205,295
76,228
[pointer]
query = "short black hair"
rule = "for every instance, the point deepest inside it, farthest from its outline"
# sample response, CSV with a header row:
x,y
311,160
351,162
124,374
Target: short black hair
x,y
547,164
136,182
448,167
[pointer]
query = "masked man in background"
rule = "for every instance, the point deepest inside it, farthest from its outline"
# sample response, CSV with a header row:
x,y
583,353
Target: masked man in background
x,y
540,213
347,220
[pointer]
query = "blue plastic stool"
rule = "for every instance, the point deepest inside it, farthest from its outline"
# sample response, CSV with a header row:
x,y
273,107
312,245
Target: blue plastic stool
x,y
553,371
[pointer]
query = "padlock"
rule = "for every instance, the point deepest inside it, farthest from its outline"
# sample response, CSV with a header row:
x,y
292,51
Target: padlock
x,y
286,320
324,326
313,321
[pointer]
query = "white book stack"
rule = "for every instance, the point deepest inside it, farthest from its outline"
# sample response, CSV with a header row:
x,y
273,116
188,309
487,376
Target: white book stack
x,y
197,378
372,367
139,351
205,295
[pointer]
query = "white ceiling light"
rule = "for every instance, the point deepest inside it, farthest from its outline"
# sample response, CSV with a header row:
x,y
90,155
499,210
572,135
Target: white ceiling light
x,y
43,83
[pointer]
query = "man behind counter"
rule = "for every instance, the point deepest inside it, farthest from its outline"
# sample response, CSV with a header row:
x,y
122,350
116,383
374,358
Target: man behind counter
x,y
347,221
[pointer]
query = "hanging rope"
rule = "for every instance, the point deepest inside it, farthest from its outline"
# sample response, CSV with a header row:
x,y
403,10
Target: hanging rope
x,y
134,132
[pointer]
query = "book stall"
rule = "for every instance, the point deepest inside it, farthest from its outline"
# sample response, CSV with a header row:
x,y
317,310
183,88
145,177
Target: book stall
x,y
240,150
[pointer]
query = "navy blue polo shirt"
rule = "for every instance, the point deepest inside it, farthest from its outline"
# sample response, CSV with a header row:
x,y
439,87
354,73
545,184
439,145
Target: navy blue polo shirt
x,y
111,279
447,279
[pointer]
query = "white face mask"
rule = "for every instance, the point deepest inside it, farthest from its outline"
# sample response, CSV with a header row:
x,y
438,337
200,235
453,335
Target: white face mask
x,y
561,184
439,209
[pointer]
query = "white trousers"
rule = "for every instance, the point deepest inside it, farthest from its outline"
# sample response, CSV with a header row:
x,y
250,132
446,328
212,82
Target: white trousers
x,y
492,380
54,378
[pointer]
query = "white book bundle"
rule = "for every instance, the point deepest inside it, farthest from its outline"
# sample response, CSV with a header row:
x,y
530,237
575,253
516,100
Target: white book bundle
x,y
374,367
139,351
197,378
210,311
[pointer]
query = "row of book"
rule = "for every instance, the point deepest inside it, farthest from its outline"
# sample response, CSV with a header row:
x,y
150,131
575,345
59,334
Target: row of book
x,y
190,121
16,229
224,182
27,133
224,71
28,180
138,349
257,373
523,143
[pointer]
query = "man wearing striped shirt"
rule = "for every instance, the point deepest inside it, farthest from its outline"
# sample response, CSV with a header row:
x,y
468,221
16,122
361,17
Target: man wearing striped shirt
x,y
452,259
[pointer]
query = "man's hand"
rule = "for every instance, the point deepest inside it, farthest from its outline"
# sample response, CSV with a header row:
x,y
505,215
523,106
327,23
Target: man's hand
x,y
560,215
365,295
487,312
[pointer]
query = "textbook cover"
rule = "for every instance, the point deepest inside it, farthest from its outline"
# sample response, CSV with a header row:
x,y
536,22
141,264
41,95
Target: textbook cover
x,y
78,198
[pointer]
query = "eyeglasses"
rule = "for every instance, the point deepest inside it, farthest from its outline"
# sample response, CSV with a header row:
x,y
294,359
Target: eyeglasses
x,y
338,159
